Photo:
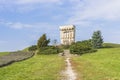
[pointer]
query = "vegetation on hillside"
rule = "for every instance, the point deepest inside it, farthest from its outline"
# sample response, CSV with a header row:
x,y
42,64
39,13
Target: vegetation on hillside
x,y
43,41
97,40
3,53
32,48
88,46
102,65
40,67
44,48
110,45
82,47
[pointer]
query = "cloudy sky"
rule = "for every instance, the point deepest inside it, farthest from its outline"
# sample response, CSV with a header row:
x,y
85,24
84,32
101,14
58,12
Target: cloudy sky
x,y
22,22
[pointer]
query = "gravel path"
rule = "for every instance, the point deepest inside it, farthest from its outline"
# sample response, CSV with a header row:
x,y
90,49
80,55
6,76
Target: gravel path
x,y
69,72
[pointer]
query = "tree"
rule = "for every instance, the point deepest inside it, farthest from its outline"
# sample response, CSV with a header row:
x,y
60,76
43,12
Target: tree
x,y
55,42
97,40
43,41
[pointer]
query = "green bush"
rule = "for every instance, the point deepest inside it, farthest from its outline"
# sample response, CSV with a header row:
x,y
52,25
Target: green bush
x,y
32,48
49,50
82,47
66,46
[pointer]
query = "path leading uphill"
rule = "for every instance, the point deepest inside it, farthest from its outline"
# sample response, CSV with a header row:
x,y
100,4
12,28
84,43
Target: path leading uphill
x,y
69,72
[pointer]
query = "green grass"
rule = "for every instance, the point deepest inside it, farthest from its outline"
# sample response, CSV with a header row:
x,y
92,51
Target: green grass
x,y
39,67
3,53
111,45
26,49
102,65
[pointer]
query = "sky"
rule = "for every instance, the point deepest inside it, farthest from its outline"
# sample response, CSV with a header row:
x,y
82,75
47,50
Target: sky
x,y
22,22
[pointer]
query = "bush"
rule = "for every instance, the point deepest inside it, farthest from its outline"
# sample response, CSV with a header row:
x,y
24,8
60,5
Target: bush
x,y
82,47
66,46
49,50
32,48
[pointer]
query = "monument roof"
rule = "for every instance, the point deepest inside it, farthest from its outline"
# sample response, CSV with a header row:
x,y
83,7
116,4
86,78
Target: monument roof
x,y
67,26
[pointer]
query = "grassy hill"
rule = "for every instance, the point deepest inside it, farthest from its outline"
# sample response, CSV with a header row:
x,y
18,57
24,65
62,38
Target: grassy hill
x,y
3,53
102,65
39,67
111,45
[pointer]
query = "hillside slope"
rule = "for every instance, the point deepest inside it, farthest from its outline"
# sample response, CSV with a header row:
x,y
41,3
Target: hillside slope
x,y
40,67
102,65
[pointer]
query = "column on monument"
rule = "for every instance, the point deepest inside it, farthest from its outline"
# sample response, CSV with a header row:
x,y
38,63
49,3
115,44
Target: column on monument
x,y
69,36
72,36
64,36
61,36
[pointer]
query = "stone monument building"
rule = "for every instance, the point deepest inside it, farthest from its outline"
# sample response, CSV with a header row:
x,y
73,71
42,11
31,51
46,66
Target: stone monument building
x,y
67,34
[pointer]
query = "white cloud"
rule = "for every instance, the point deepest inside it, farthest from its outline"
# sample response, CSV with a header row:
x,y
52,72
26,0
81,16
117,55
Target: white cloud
x,y
89,10
18,25
36,1
28,1
15,25
23,6
34,26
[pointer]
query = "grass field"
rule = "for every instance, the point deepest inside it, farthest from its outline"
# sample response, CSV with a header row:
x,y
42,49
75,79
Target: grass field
x,y
39,67
111,45
3,53
102,65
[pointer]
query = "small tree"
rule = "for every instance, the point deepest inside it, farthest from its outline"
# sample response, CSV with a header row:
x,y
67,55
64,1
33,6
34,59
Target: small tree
x,y
97,40
55,42
42,41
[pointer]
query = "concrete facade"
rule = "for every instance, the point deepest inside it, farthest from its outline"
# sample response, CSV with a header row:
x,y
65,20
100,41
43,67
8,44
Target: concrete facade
x,y
67,34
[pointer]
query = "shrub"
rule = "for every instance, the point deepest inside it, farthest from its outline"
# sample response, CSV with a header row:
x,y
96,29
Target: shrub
x,y
32,48
49,50
66,46
82,47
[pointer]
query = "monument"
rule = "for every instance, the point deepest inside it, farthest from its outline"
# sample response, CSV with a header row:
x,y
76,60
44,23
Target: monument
x,y
67,34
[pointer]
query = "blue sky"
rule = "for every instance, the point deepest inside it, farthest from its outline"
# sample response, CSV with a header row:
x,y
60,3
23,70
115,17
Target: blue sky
x,y
22,22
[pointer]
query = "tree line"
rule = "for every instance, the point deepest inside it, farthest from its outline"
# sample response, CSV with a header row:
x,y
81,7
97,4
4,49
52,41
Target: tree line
x,y
79,47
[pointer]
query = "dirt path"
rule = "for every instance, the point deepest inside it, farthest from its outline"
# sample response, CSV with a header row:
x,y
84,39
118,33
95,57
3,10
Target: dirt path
x,y
69,72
